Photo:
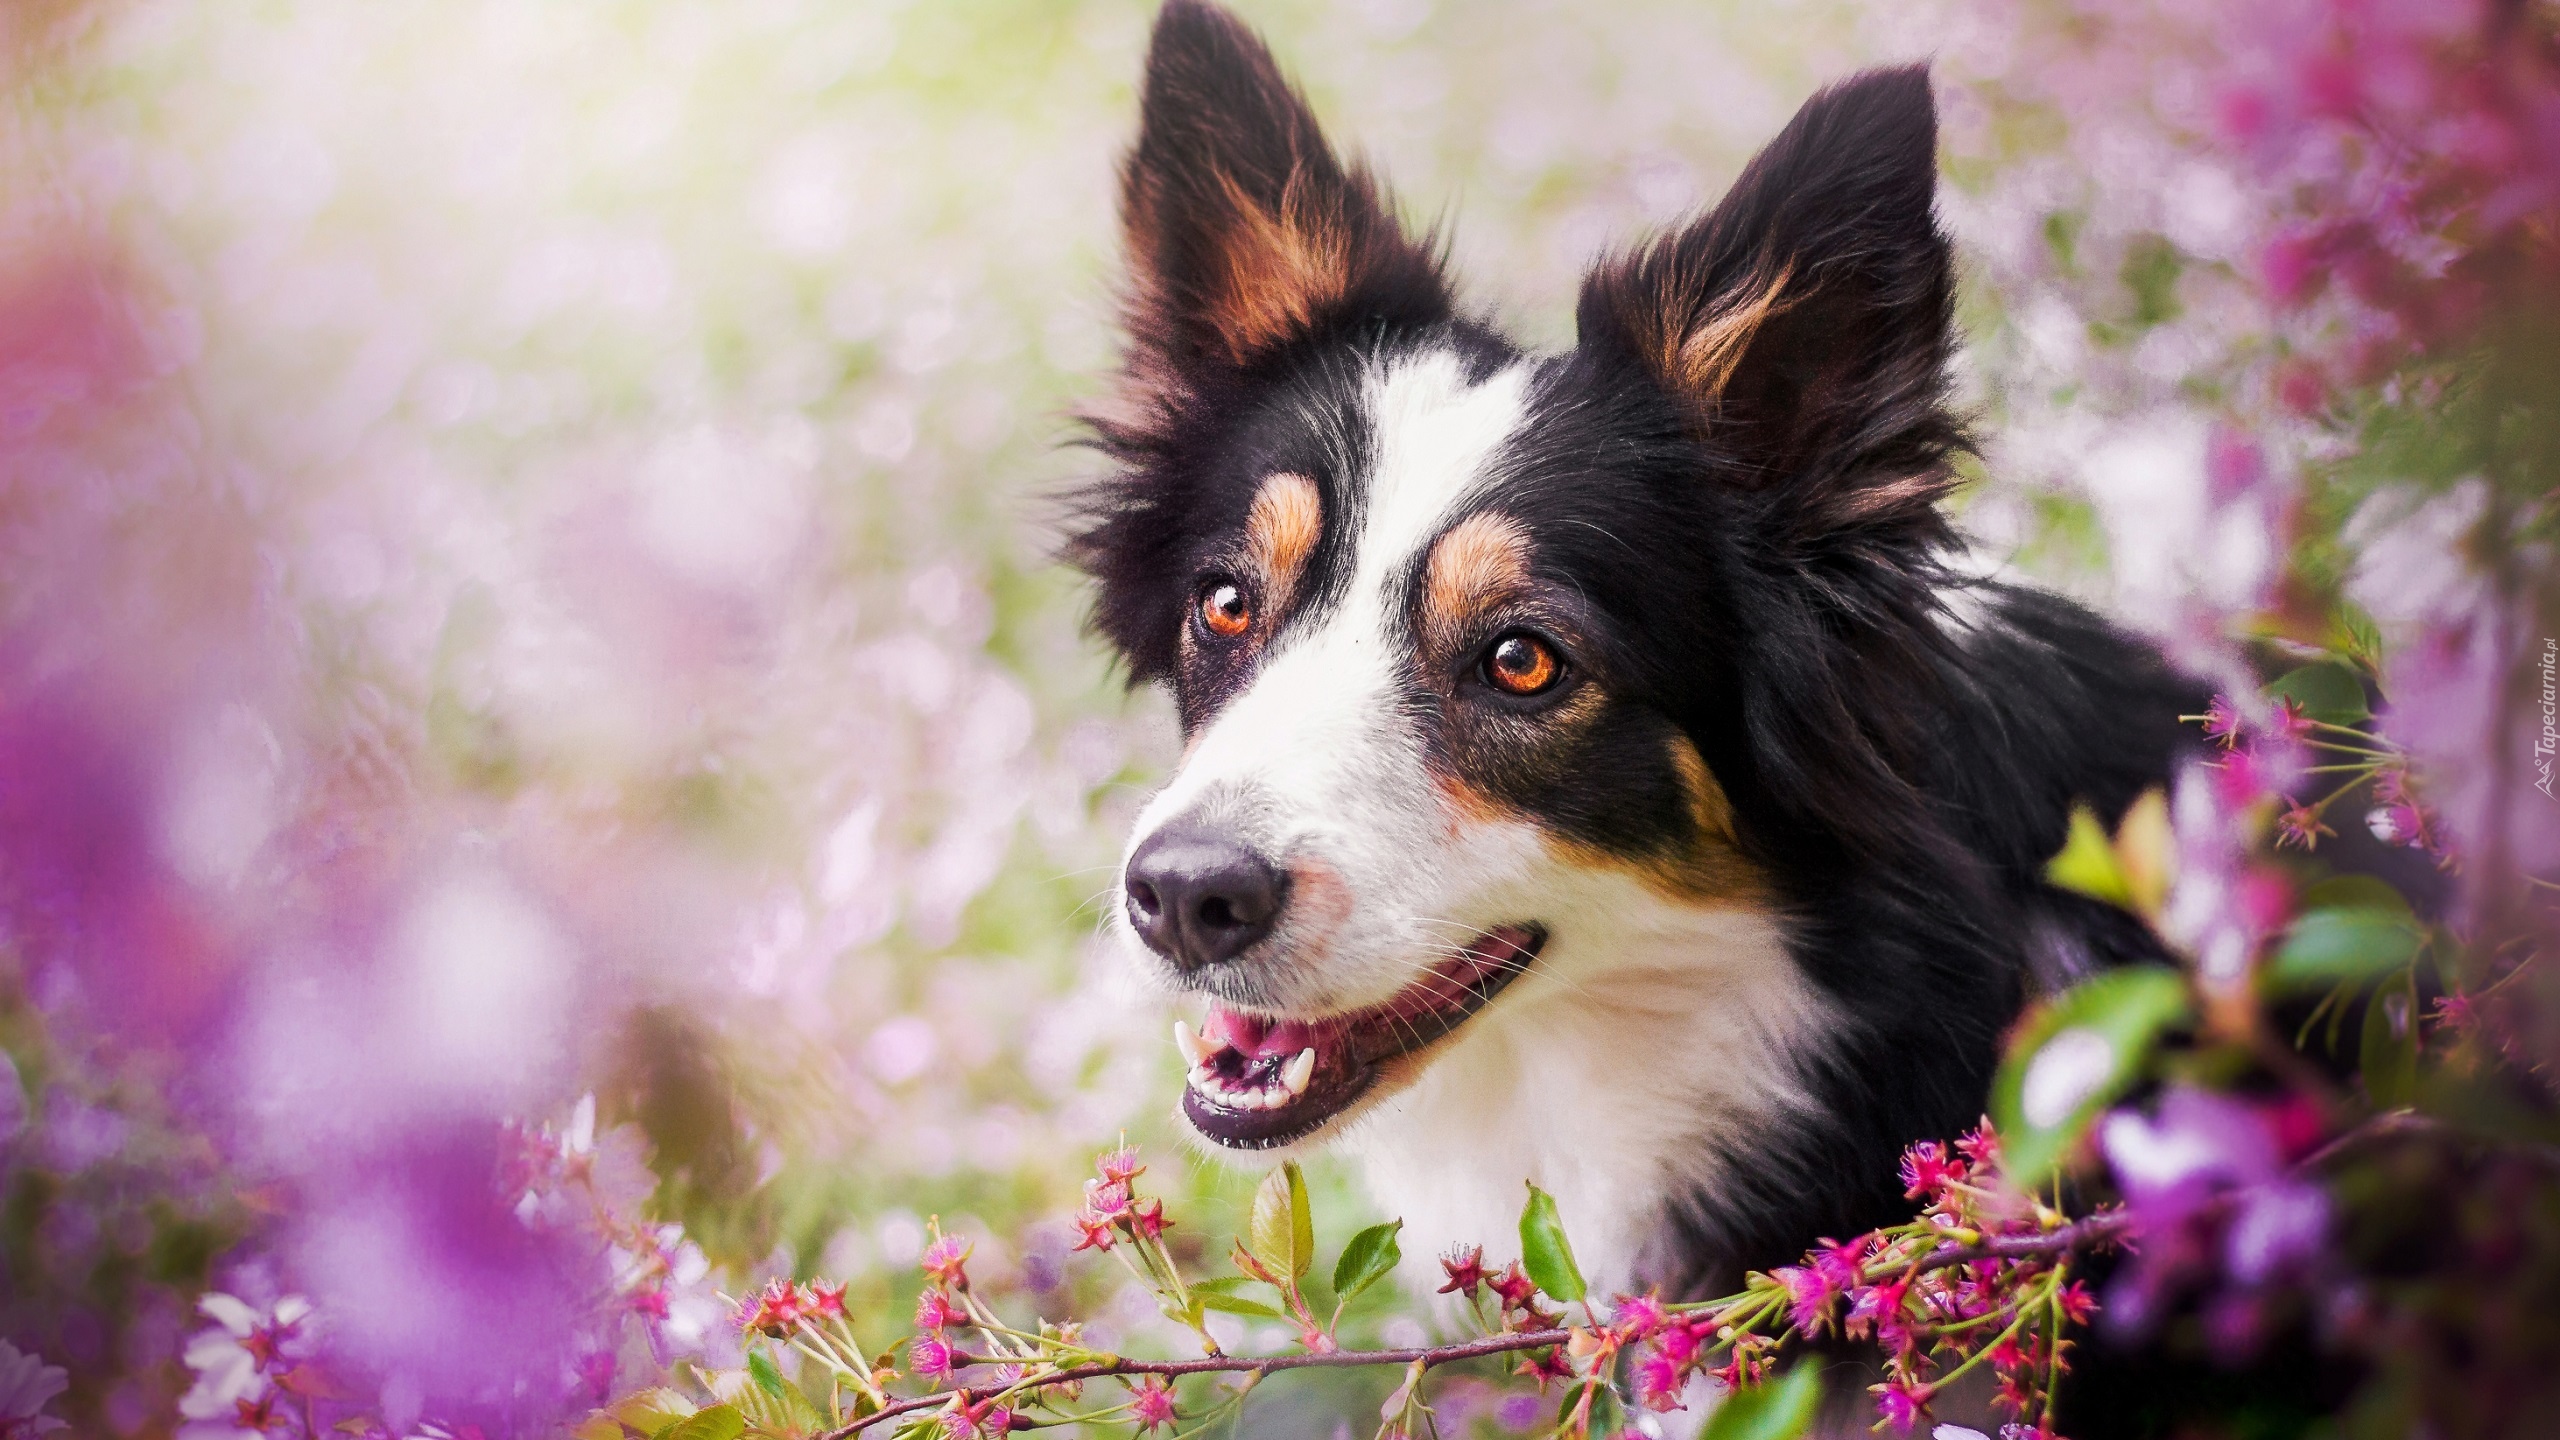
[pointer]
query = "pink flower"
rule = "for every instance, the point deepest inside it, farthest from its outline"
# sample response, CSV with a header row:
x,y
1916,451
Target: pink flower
x,y
1106,1200
985,1420
1152,1405
1878,1309
1658,1383
946,1259
1096,1231
1638,1316
1901,1405
1809,1295
2300,826
1544,1366
2078,1306
2399,824
1147,1218
1681,1342
774,1311
2233,465
935,1312
2290,721
2222,721
260,1414
1841,1262
1119,1167
27,1384
1980,1146
1515,1287
822,1303
1928,1169
1465,1269
929,1357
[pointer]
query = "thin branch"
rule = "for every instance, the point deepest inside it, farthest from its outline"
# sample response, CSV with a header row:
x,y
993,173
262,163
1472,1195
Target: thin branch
x,y
1255,1364
2087,1233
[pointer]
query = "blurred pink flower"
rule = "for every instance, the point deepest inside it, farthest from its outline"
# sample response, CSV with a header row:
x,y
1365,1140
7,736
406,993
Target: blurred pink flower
x,y
2207,1181
236,1360
27,1385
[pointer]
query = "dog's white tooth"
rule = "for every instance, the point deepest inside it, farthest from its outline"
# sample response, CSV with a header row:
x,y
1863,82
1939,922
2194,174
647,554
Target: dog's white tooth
x,y
1199,1077
1195,1049
1300,1070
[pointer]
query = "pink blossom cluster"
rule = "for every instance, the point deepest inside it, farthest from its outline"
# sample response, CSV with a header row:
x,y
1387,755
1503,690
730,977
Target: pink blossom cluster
x,y
1113,1206
1934,1313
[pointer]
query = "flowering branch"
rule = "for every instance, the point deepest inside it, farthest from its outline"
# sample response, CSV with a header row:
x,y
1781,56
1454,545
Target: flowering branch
x,y
1983,1276
1429,1357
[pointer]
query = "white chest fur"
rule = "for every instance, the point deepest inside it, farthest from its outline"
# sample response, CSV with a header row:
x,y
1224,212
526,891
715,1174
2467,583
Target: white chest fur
x,y
1649,1032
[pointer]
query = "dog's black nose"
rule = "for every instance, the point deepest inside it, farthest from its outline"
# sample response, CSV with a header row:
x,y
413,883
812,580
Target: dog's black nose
x,y
1197,897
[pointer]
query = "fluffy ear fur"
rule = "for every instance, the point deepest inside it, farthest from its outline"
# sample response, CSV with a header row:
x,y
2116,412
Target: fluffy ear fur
x,y
1243,231
1804,325
1801,331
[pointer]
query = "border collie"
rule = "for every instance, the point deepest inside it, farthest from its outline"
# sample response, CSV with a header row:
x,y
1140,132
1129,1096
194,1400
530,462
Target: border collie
x,y
1596,770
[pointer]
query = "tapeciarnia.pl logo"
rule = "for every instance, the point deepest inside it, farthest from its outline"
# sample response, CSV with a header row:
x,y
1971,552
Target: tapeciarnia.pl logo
x,y
2549,740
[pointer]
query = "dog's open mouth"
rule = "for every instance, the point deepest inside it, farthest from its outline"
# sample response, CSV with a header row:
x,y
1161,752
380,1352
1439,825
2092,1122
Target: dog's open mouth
x,y
1257,1081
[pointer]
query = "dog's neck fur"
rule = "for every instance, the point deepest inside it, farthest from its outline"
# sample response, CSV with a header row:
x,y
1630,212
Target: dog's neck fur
x,y
1653,1040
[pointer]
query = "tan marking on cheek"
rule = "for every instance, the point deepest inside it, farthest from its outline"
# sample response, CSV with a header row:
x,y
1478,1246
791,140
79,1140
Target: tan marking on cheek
x,y
1280,534
1714,867
1464,805
1482,560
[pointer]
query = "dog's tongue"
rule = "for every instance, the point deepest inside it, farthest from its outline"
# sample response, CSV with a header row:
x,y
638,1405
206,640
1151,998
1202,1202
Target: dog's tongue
x,y
1257,1037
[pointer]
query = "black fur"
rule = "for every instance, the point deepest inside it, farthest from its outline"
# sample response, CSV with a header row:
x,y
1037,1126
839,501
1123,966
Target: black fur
x,y
1759,564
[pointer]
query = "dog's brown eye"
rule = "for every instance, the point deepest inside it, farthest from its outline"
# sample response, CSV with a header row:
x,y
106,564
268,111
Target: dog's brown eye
x,y
1522,664
1224,612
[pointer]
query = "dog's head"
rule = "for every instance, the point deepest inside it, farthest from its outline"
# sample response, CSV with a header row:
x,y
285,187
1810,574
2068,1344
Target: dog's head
x,y
1482,657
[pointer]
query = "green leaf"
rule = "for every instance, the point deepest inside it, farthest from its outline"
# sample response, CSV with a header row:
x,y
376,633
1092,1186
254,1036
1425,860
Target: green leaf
x,y
2071,1056
2355,892
1779,1409
2086,864
1283,1231
2331,945
1544,1251
772,1405
652,1410
2325,690
2389,1057
1234,1305
1370,1256
1222,1284
720,1422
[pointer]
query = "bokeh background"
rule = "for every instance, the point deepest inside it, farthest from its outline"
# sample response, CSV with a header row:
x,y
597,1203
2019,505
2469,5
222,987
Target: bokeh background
x,y
525,574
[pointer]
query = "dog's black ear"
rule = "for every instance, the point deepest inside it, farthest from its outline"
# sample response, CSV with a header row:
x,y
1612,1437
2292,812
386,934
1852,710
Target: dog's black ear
x,y
1243,230
1804,325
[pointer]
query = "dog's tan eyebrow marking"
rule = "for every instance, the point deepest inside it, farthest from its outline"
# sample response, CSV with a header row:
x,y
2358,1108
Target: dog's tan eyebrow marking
x,y
1280,533
1476,564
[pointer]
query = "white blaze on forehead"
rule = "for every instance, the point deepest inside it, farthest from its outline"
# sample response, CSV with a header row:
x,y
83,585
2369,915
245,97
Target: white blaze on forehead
x,y
1434,435
1319,720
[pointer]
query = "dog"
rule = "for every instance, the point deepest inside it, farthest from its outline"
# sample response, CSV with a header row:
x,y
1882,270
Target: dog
x,y
1600,768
